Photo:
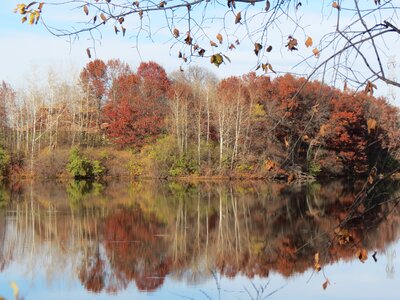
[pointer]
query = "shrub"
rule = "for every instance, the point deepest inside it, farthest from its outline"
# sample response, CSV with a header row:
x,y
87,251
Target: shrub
x,y
80,167
4,162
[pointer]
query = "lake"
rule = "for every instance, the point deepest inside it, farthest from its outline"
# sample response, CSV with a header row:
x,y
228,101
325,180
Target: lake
x,y
203,240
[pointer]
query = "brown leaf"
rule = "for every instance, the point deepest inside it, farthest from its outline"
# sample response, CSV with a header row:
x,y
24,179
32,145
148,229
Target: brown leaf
x,y
162,4
121,20
362,254
219,38
237,42
103,18
195,47
238,17
231,47
86,9
88,53
369,88
116,30
188,39
176,32
292,43
257,48
201,52
325,284
40,7
213,44
123,30
267,5
140,14
180,54
231,3
269,48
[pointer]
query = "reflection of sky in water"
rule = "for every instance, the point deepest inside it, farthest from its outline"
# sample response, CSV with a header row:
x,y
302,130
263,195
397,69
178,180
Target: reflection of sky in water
x,y
349,280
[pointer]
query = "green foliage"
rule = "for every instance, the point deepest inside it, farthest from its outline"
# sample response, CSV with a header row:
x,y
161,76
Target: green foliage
x,y
314,168
183,166
80,167
79,190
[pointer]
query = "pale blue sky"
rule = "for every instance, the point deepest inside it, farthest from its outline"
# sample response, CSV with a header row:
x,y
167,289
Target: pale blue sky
x,y
27,50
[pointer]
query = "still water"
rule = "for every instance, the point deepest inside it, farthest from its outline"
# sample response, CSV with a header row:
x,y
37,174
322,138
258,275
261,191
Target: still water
x,y
221,240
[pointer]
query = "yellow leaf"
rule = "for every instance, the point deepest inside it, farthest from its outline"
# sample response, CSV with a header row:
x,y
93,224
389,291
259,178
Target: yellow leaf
x,y
32,18
15,289
219,38
217,59
24,18
309,42
371,123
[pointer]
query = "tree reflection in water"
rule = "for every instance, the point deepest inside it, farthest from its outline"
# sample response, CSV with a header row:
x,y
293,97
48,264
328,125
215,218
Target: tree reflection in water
x,y
143,232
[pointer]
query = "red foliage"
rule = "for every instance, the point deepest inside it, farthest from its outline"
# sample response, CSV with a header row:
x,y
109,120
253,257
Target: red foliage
x,y
134,117
94,77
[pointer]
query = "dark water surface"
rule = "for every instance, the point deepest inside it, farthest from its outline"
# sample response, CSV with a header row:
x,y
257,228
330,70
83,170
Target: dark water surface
x,y
221,240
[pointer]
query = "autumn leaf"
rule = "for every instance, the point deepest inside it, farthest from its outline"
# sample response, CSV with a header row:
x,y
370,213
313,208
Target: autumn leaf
x,y
188,39
217,59
238,17
267,5
269,164
317,266
116,30
88,53
309,42
219,38
180,54
32,18
325,284
86,9
371,124
269,48
123,30
140,14
292,43
162,4
213,44
201,52
257,48
176,32
121,20
231,47
369,88
336,5
362,254
103,18
316,52
40,7
24,18
231,3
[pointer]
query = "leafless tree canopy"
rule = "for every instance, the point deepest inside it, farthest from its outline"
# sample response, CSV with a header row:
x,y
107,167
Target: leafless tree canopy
x,y
357,40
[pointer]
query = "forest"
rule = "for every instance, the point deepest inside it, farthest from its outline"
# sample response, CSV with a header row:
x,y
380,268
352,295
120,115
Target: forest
x,y
113,121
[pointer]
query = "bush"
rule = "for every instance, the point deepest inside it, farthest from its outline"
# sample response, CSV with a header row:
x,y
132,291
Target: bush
x,y
80,167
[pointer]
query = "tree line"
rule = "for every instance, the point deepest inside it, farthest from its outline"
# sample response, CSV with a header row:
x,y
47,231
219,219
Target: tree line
x,y
193,124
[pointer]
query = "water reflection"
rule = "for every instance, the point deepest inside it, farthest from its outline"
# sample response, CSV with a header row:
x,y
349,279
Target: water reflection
x,y
112,235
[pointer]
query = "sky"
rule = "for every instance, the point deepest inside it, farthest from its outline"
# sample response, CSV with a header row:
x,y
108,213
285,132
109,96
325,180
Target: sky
x,y
29,52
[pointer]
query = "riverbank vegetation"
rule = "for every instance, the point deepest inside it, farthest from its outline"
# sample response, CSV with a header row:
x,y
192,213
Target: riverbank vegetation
x,y
116,122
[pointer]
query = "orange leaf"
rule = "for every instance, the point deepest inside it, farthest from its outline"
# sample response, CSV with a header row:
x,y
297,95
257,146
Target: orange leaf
x,y
219,38
309,42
